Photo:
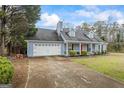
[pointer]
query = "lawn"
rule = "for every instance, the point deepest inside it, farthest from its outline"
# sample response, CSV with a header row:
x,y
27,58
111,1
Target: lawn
x,y
111,64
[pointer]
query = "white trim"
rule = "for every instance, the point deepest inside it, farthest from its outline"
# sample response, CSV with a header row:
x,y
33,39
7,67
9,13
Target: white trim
x,y
40,41
87,42
63,37
65,41
66,49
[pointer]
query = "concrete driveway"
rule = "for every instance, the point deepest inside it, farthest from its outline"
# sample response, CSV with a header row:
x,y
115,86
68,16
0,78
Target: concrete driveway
x,y
51,72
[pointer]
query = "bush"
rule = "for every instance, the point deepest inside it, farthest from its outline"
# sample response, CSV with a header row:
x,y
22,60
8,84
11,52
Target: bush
x,y
99,53
78,53
6,70
83,53
72,52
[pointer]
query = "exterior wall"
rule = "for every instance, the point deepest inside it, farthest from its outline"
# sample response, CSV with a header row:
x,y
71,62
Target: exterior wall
x,y
88,48
104,47
93,47
29,49
76,47
96,47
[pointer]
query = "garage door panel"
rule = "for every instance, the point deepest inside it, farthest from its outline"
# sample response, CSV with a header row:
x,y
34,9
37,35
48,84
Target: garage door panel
x,y
47,49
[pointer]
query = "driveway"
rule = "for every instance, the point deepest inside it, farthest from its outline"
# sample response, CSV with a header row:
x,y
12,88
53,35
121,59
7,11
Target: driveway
x,y
60,72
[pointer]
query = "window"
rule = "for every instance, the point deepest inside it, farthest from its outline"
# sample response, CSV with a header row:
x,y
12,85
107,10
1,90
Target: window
x,y
35,44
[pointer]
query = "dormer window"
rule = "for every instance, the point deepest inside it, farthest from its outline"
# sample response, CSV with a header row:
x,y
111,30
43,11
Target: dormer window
x,y
91,34
71,33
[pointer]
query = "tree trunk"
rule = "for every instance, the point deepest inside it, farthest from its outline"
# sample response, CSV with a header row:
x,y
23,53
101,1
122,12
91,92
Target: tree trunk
x,y
3,23
2,46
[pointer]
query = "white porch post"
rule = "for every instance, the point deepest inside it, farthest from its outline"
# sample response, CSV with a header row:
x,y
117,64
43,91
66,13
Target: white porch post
x,y
100,50
95,48
66,49
80,48
91,48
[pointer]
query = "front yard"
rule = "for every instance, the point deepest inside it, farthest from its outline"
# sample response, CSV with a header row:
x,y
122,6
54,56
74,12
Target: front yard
x,y
111,65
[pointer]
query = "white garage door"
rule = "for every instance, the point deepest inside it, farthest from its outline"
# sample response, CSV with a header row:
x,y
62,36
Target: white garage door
x,y
46,49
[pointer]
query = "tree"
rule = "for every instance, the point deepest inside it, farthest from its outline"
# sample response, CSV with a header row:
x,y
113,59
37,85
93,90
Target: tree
x,y
3,30
100,28
85,27
19,22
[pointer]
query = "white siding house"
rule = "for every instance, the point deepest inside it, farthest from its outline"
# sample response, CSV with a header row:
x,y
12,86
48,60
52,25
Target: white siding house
x,y
48,42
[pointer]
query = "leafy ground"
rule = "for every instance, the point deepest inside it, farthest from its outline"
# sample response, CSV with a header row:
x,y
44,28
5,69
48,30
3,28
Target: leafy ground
x,y
111,64
20,72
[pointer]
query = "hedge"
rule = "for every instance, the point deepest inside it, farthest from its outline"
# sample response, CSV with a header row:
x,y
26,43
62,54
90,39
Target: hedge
x,y
6,70
72,52
83,53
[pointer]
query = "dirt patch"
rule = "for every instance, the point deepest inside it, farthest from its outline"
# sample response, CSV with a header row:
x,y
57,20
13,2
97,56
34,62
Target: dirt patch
x,y
20,72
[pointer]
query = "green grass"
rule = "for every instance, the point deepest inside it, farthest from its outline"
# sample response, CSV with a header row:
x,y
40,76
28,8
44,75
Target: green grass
x,y
112,64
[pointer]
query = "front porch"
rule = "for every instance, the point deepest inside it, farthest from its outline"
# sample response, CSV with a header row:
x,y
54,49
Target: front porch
x,y
90,48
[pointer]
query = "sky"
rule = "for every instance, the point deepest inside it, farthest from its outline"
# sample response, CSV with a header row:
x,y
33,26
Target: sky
x,y
75,14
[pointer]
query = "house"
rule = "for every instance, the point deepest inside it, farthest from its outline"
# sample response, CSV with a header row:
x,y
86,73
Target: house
x,y
47,42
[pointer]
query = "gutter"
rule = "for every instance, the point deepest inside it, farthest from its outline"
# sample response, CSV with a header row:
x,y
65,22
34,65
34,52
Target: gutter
x,y
40,41
87,42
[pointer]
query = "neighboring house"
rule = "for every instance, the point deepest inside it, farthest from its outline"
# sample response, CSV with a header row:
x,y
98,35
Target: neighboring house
x,y
48,42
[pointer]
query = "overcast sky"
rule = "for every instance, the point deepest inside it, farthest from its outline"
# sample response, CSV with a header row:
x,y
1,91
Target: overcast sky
x,y
51,14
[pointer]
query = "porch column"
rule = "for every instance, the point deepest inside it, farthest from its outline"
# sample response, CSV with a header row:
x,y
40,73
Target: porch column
x,y
96,48
80,48
91,48
66,49
100,50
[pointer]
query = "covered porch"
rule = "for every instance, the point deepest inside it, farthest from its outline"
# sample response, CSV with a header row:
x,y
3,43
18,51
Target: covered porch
x,y
90,48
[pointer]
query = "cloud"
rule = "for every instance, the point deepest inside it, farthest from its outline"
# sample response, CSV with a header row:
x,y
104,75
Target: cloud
x,y
84,13
114,14
91,8
100,15
120,21
49,19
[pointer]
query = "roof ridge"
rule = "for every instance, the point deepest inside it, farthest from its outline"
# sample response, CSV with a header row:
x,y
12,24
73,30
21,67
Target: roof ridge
x,y
46,29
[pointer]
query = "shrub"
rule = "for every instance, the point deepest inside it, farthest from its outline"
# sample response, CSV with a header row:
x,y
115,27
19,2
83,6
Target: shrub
x,y
72,52
104,52
83,53
64,52
6,70
98,53
78,53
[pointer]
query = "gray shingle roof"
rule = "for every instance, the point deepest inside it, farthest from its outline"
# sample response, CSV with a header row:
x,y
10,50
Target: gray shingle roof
x,y
51,35
81,36
46,35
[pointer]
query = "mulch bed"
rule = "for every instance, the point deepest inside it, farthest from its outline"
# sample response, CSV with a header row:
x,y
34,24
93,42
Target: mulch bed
x,y
20,72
